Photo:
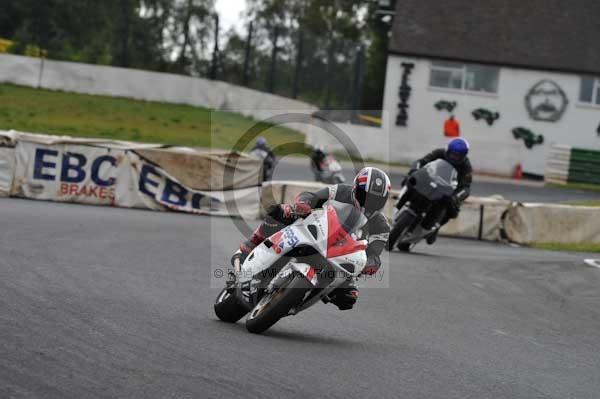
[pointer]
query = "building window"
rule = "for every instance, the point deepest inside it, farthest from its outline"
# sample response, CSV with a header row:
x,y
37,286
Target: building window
x,y
469,77
589,91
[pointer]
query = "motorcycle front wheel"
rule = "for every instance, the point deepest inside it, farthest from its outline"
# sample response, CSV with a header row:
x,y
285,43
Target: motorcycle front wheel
x,y
227,307
277,304
404,222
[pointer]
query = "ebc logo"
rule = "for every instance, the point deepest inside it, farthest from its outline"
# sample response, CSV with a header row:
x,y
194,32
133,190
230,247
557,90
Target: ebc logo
x,y
72,169
171,193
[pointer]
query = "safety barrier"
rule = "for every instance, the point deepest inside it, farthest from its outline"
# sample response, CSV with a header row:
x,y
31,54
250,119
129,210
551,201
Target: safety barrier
x,y
131,175
134,175
7,160
485,218
480,218
552,223
566,164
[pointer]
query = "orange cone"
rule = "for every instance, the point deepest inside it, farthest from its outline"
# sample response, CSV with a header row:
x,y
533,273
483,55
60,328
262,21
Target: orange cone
x,y
518,175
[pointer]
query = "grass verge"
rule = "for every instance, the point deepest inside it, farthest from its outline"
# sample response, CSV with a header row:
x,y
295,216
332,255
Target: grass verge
x,y
594,203
555,246
576,186
82,115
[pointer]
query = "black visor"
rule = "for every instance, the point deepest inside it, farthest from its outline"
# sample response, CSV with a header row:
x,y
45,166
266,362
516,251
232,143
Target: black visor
x,y
370,202
455,156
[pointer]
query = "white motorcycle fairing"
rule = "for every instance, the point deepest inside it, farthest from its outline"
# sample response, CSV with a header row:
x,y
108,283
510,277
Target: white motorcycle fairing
x,y
331,171
267,264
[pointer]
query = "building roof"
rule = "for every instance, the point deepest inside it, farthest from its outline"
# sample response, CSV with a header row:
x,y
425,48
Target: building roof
x,y
541,34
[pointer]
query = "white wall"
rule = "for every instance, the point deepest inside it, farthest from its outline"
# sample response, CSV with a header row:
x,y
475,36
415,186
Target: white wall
x,y
494,150
371,142
145,85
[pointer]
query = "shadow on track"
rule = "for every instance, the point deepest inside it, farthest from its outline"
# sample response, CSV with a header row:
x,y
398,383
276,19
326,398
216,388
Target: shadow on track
x,y
419,254
300,337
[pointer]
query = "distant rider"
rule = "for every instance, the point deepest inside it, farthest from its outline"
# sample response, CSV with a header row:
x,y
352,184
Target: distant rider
x,y
264,152
317,157
456,154
369,192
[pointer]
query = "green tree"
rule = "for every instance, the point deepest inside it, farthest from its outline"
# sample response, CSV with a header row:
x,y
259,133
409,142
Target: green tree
x,y
303,48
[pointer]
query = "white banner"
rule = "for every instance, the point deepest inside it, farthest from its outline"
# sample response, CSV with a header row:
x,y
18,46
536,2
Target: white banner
x,y
7,160
119,177
154,188
64,172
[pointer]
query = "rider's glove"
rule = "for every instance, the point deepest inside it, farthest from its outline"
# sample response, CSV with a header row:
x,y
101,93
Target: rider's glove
x,y
286,211
373,265
298,209
302,208
370,270
405,180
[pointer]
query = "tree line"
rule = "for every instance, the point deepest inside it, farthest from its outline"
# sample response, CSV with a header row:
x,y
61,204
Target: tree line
x,y
328,52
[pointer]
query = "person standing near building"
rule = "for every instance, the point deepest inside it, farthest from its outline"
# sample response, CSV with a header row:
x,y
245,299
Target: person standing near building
x,y
451,127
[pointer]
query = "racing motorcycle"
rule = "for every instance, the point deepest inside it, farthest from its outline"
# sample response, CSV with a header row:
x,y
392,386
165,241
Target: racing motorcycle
x,y
295,268
422,190
268,162
331,171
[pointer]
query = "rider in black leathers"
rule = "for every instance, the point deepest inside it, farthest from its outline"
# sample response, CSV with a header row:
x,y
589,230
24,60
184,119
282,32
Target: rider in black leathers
x,y
267,155
456,155
369,191
317,156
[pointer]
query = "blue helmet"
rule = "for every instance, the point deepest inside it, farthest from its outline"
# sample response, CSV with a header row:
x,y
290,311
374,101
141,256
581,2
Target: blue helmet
x,y
457,150
261,141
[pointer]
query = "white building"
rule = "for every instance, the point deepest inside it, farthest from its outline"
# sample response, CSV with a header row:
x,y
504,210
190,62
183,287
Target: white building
x,y
531,63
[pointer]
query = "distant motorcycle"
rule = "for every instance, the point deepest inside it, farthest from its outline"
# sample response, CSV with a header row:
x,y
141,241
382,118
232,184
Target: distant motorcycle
x,y
295,268
422,190
330,171
268,162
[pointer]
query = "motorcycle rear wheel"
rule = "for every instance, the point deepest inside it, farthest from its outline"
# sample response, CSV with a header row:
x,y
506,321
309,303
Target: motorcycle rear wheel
x,y
404,247
277,304
227,307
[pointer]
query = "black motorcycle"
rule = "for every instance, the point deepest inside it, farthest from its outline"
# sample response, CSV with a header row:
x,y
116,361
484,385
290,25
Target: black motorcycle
x,y
422,190
268,162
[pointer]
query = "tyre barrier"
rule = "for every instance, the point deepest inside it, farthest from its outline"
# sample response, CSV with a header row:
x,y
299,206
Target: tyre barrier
x,y
565,164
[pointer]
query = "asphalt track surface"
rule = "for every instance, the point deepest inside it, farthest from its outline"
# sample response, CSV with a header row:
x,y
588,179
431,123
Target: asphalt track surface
x,y
102,302
299,169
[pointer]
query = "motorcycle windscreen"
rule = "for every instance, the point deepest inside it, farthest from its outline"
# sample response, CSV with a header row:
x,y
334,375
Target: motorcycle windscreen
x,y
343,220
443,173
258,153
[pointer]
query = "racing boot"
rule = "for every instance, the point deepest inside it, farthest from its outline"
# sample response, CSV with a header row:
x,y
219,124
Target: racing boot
x,y
266,229
433,236
238,255
345,296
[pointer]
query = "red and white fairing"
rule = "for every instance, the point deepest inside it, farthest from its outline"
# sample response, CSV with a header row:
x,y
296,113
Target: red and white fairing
x,y
332,242
331,164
